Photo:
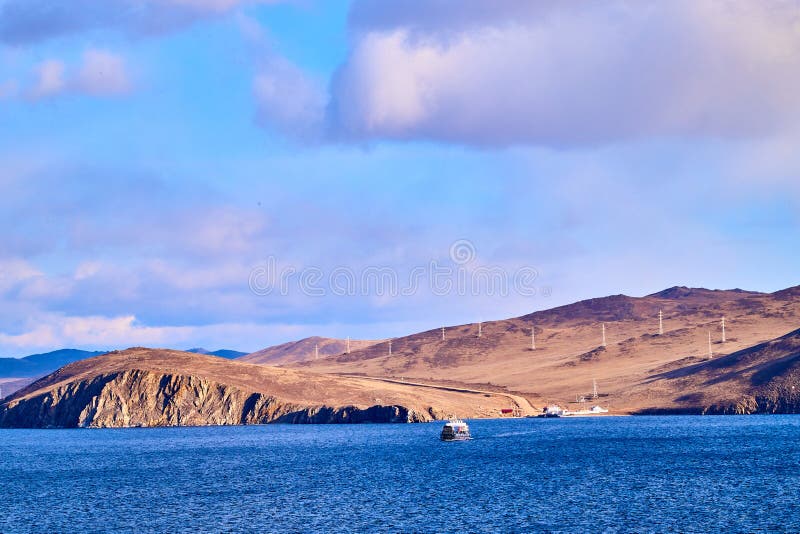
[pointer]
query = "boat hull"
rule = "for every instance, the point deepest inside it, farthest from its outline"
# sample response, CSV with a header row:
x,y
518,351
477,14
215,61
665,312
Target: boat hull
x,y
455,438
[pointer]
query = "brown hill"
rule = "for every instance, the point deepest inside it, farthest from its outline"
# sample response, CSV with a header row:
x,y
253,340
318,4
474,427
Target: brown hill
x,y
304,350
569,355
158,387
760,379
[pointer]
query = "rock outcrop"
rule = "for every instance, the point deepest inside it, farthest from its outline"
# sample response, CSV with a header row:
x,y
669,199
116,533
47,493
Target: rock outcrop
x,y
144,399
153,388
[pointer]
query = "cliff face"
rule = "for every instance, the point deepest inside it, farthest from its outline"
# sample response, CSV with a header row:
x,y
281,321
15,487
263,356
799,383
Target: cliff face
x,y
135,398
770,400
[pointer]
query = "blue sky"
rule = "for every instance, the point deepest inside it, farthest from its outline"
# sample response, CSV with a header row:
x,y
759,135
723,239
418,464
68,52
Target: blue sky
x,y
154,154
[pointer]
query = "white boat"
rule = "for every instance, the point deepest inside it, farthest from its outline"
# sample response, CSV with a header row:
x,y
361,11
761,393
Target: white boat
x,y
594,410
455,430
553,410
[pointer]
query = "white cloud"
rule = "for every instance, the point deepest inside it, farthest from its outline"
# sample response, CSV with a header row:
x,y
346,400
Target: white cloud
x,y
14,272
567,73
52,331
49,79
100,74
289,99
103,73
87,269
60,331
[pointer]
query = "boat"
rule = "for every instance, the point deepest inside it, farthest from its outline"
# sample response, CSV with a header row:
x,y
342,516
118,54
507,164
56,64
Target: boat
x,y
455,430
595,410
553,410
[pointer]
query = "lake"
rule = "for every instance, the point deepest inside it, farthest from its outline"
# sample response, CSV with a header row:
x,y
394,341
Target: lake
x,y
606,474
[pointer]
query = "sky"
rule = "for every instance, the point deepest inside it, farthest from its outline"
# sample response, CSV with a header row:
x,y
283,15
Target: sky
x,y
241,173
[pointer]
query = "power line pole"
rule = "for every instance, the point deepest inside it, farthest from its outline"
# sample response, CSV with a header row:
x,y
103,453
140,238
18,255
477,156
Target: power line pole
x,y
480,329
348,344
710,350
442,333
390,347
723,329
316,351
660,323
604,334
594,388
533,338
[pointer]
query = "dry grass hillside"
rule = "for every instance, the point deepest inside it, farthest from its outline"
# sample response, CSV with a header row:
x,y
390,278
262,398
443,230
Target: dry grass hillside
x,y
764,378
569,355
304,350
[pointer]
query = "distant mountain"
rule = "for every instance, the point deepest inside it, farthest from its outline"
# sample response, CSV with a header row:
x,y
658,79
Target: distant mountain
x,y
222,353
305,350
41,364
10,385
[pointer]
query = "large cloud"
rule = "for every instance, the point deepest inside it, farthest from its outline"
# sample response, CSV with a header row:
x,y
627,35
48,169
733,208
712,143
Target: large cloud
x,y
566,73
25,21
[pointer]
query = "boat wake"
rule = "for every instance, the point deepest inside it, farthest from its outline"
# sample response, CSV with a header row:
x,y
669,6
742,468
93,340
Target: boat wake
x,y
512,434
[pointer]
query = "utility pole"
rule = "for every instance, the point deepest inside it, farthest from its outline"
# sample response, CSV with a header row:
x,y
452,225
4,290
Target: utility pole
x,y
660,323
710,350
480,329
533,338
604,334
316,351
594,388
723,329
348,344
390,347
442,333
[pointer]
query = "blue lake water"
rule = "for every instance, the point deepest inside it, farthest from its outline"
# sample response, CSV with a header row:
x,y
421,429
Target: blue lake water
x,y
688,474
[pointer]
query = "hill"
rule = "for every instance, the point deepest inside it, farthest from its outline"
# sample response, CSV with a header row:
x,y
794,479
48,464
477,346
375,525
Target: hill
x,y
305,350
569,354
40,364
222,353
159,387
764,378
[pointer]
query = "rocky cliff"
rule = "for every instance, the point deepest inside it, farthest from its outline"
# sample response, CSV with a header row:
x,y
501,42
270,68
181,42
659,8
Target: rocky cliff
x,y
143,399
147,388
